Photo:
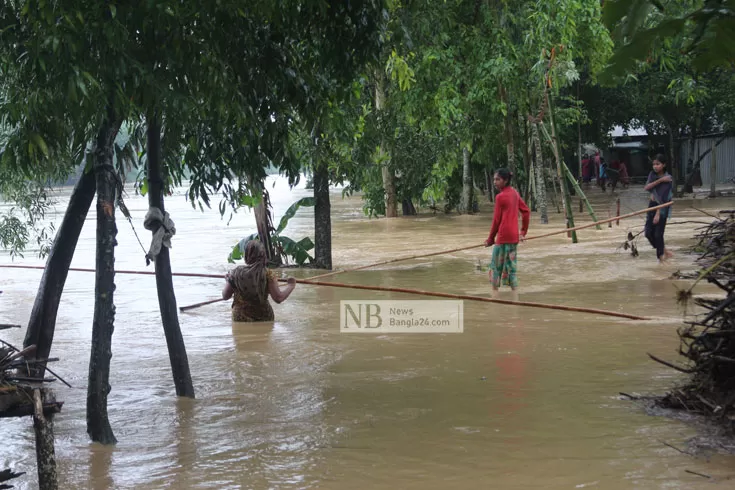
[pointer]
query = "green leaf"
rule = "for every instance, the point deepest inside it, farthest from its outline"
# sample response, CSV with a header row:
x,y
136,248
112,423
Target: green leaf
x,y
291,211
299,253
40,143
113,11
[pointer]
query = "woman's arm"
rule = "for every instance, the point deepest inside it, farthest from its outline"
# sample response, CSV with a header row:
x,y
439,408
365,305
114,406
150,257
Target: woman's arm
x,y
497,219
651,185
227,291
280,295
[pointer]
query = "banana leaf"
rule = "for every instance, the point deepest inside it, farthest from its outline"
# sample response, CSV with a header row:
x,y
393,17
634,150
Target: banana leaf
x,y
291,211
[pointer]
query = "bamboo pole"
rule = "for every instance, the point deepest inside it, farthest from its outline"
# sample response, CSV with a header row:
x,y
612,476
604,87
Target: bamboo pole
x,y
582,196
566,200
449,295
471,298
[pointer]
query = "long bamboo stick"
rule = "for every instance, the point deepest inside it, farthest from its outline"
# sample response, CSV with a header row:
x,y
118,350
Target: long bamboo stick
x,y
446,295
390,289
471,298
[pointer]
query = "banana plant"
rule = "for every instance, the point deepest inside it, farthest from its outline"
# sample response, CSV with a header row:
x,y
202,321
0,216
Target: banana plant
x,y
286,247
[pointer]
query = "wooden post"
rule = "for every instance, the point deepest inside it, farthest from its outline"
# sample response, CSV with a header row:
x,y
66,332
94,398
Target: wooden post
x,y
45,454
617,214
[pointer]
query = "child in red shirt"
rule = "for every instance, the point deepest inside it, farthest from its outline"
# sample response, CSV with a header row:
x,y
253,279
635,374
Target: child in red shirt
x,y
504,232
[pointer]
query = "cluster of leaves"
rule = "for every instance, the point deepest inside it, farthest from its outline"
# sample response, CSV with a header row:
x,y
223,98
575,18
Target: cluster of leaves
x,y
224,80
24,221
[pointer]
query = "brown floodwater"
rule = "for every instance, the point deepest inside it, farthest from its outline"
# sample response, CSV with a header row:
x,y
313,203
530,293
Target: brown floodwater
x,y
523,398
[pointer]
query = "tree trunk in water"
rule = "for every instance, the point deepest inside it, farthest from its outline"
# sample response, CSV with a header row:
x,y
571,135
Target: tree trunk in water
x,y
389,184
263,220
42,323
408,208
540,180
555,193
490,186
98,424
713,173
322,218
164,281
45,454
465,205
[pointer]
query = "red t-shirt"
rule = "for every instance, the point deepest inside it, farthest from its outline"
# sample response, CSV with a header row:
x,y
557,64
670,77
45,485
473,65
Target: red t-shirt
x,y
508,203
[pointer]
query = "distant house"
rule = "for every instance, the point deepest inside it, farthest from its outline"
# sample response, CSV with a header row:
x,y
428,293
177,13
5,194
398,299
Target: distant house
x,y
631,147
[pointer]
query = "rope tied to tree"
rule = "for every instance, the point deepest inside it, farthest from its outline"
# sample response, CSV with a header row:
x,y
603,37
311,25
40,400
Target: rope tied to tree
x,y
163,228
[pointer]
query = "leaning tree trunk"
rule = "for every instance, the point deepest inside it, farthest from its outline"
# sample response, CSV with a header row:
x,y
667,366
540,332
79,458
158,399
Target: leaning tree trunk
x,y
465,205
540,180
389,180
322,218
98,424
164,281
42,324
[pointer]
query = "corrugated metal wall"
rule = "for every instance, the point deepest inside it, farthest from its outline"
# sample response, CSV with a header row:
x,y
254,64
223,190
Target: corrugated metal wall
x,y
725,158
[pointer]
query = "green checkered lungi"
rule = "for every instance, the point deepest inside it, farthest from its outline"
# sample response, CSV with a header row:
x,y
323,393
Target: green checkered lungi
x,y
504,265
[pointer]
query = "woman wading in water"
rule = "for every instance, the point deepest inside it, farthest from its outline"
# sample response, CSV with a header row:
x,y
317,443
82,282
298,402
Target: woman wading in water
x,y
249,285
504,233
661,188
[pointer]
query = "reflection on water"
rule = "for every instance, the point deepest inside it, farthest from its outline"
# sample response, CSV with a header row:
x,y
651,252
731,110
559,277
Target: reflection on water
x,y
524,398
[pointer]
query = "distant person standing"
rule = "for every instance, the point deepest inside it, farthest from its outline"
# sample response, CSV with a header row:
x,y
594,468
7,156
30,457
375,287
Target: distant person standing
x,y
614,174
602,178
624,177
504,232
660,184
586,169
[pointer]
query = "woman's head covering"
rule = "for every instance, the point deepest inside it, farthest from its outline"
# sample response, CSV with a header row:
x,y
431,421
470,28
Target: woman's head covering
x,y
252,278
255,253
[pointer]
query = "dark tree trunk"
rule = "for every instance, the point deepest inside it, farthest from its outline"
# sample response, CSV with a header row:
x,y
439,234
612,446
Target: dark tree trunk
x,y
465,205
42,324
408,208
98,424
45,454
389,178
490,186
322,218
164,281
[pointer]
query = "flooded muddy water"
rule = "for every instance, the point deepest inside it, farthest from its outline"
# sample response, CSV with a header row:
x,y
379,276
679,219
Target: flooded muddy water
x,y
523,398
